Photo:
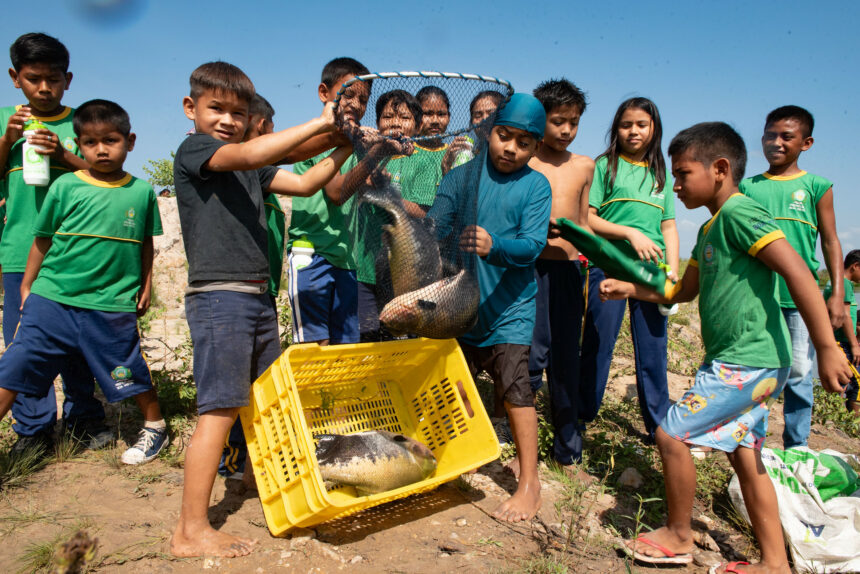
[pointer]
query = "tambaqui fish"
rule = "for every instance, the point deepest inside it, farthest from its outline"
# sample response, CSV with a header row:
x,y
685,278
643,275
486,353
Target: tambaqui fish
x,y
373,461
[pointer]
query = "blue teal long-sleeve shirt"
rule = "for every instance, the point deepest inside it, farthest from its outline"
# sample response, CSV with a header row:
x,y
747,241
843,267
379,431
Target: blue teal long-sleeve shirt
x,y
514,209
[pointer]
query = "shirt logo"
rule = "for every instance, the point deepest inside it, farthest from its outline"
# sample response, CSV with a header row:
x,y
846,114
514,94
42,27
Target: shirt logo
x,y
129,222
656,192
798,197
708,252
69,143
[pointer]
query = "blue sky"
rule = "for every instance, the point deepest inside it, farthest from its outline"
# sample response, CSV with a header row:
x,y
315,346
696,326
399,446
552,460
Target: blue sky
x,y
699,61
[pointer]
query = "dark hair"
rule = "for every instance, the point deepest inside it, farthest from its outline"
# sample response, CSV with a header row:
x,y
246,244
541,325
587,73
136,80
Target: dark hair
x,y
561,92
497,98
101,112
654,155
430,91
794,113
852,258
38,48
710,141
397,97
221,77
340,67
260,106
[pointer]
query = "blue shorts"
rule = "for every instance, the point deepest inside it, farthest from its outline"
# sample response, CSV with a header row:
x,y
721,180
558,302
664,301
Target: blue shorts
x,y
727,406
324,300
235,338
50,335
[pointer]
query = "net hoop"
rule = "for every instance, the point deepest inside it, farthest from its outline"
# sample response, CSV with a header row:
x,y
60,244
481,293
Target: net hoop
x,y
429,74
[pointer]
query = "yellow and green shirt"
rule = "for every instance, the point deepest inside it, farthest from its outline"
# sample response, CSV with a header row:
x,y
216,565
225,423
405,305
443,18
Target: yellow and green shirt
x,y
741,319
97,230
792,200
634,201
23,201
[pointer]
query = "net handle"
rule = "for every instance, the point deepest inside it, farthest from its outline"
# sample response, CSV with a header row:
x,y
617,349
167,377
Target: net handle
x,y
428,74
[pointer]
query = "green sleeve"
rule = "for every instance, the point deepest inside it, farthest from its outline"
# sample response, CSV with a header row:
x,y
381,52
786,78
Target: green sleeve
x,y
153,218
597,191
694,254
849,291
669,198
51,215
820,187
749,226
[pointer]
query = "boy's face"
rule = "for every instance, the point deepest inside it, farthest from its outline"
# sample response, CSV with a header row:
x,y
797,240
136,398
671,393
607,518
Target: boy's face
x,y
43,86
353,101
783,141
695,183
434,116
222,115
104,147
482,110
511,148
397,121
562,124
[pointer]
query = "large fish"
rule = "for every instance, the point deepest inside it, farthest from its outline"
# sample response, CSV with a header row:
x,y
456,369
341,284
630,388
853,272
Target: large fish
x,y
413,253
373,461
445,309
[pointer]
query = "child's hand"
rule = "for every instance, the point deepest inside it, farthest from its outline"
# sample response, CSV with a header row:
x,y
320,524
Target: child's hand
x,y
855,353
833,369
613,289
144,296
475,239
49,142
15,125
459,144
25,292
644,247
328,117
836,310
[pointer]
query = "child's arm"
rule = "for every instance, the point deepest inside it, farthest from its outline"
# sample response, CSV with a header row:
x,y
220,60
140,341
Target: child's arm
x,y
270,148
780,256
144,296
670,236
832,250
34,263
644,247
314,146
342,187
14,132
584,211
685,291
304,185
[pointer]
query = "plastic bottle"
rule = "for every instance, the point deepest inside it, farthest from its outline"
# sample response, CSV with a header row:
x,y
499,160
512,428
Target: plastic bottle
x,y
302,253
466,155
668,310
36,167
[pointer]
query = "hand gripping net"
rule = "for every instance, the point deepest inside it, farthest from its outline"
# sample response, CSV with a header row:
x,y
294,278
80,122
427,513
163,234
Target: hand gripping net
x,y
412,190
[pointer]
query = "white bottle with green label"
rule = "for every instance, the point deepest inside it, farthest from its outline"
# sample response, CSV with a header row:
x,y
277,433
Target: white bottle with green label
x,y
302,253
36,167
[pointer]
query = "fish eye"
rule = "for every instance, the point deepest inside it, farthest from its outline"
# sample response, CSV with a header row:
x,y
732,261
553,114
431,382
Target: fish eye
x,y
400,438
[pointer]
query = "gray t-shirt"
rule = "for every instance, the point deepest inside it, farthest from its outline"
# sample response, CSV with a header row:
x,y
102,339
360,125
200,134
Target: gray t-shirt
x,y
222,215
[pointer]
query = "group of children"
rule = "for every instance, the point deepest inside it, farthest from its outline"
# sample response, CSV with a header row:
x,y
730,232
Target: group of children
x,y
87,271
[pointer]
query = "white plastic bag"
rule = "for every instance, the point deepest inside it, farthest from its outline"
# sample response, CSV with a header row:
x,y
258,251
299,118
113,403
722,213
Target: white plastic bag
x,y
819,506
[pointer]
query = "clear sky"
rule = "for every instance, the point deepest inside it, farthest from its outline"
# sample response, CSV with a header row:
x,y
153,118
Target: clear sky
x,y
699,61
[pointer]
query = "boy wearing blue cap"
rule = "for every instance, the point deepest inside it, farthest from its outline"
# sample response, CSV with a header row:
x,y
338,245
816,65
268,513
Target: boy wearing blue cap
x,y
513,209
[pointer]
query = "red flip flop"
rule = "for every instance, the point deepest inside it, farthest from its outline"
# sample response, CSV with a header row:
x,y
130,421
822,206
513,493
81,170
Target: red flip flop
x,y
731,568
668,557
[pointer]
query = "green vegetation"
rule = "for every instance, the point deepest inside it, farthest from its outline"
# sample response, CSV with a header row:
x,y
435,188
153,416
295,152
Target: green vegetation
x,y
160,172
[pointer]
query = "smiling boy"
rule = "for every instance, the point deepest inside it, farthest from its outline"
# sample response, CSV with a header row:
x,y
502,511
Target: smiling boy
x,y
513,207
802,205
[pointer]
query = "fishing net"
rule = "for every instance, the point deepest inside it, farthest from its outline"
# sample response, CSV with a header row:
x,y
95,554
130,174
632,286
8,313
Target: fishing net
x,y
412,190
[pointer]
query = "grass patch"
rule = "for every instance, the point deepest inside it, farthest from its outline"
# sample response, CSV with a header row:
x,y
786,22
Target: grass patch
x,y
829,410
45,556
547,564
15,471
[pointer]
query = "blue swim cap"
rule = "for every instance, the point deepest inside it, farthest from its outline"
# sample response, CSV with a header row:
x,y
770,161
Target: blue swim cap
x,y
524,112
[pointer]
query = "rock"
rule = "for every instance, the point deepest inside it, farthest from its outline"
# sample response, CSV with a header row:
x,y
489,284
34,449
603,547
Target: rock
x,y
707,559
356,559
209,563
286,553
454,535
444,555
327,551
259,570
631,478
300,537
461,522
704,540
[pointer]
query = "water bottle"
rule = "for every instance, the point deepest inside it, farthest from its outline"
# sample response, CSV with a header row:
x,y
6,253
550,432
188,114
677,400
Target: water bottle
x,y
466,155
36,167
302,253
667,310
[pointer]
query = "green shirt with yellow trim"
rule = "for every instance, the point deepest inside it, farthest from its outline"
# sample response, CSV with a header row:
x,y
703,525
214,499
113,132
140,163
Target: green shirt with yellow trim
x,y
97,230
320,221
741,319
634,201
792,200
23,201
848,300
276,223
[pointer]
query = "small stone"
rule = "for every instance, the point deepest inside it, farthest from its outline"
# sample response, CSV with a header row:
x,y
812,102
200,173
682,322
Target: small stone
x,y
461,522
286,553
704,540
435,523
300,537
631,478
356,559
259,570
327,551
444,555
454,535
707,520
707,558
209,563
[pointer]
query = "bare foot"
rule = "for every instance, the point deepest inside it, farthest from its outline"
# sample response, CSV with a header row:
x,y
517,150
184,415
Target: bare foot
x,y
665,538
523,505
513,466
744,568
209,542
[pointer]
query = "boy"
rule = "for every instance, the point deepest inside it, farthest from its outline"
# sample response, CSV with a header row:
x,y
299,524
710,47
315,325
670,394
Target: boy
x,y
734,265
40,70
219,191
846,335
92,254
513,208
802,205
558,321
324,294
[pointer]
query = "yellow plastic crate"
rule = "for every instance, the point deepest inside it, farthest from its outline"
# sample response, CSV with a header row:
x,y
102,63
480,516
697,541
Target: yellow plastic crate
x,y
409,387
